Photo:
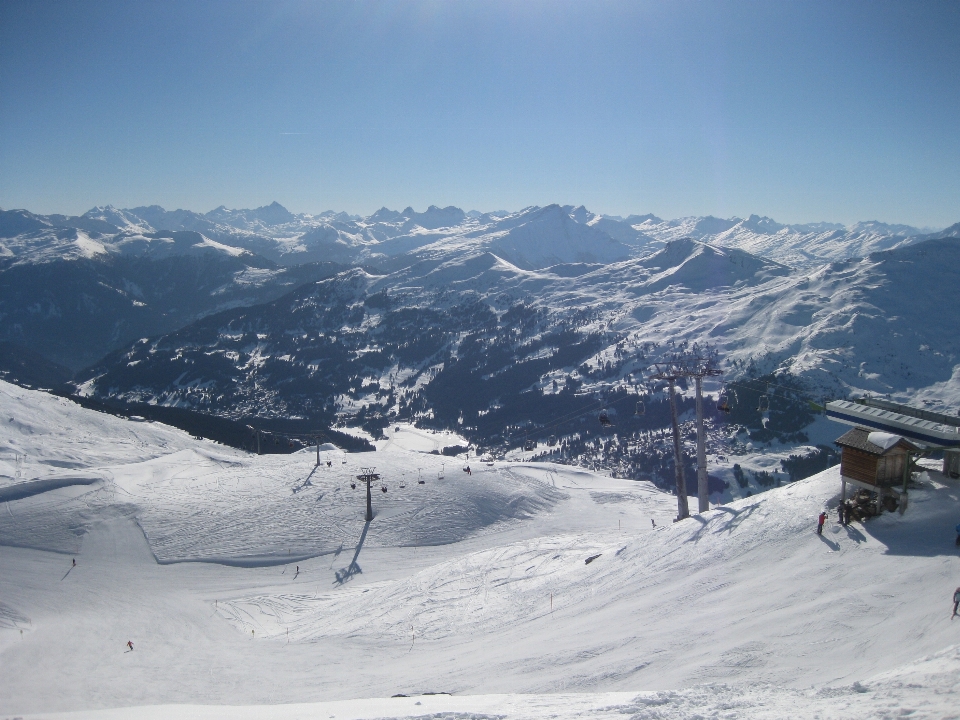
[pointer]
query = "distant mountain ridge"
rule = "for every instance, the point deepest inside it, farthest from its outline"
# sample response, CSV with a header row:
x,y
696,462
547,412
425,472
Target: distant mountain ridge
x,y
527,237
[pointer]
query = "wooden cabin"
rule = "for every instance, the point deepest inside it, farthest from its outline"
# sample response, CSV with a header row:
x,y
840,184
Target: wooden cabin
x,y
874,461
951,463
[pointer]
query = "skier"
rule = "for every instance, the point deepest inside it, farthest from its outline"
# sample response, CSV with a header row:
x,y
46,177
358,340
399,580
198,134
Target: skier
x,y
74,563
958,534
130,645
956,602
840,513
653,523
820,521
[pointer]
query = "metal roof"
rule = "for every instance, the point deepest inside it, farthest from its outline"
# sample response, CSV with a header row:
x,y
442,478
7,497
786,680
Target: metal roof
x,y
950,420
925,431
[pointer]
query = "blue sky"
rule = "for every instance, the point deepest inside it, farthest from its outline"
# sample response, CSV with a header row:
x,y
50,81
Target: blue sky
x,y
803,111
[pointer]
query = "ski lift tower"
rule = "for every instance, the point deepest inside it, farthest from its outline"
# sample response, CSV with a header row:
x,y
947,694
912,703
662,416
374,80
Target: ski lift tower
x,y
670,372
367,475
696,363
704,366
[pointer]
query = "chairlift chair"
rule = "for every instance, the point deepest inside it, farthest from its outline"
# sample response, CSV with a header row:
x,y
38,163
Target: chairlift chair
x,y
764,404
383,488
641,409
604,419
353,486
723,402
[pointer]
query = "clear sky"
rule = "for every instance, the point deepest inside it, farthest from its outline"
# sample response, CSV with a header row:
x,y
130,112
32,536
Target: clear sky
x,y
802,111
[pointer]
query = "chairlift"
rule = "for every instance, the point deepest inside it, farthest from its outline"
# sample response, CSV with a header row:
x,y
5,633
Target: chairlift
x,y
403,483
764,404
353,486
383,488
723,402
641,409
529,445
421,482
552,440
605,419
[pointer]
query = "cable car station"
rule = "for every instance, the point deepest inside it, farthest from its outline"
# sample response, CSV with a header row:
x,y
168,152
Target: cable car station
x,y
875,455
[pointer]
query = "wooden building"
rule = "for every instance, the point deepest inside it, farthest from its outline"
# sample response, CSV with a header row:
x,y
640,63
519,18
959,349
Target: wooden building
x,y
875,461
932,430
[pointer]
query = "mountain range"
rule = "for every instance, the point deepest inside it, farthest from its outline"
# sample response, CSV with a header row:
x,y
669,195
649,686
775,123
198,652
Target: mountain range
x,y
494,324
534,237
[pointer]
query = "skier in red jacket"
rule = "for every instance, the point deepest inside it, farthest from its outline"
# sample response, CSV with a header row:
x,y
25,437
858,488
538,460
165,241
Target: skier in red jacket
x,y
820,521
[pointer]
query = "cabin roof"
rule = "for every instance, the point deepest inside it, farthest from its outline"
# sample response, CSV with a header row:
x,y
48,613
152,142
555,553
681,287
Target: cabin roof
x,y
857,438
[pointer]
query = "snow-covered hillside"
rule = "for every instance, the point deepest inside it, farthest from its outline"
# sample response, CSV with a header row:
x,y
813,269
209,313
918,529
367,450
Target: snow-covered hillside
x,y
794,245
457,334
527,590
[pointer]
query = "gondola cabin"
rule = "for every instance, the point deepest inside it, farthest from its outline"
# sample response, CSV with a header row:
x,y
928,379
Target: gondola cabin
x,y
874,461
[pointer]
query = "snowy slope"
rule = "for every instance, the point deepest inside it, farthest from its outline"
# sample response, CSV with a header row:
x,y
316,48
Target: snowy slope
x,y
740,612
798,246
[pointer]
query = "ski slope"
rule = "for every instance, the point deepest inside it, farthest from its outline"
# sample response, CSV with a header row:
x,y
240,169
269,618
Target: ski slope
x,y
251,587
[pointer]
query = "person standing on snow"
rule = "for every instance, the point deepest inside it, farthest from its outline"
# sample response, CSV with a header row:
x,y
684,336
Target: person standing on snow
x,y
130,645
958,534
956,602
820,521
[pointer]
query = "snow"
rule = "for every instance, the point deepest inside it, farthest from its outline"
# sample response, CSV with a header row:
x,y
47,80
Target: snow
x,y
883,440
292,607
88,247
410,437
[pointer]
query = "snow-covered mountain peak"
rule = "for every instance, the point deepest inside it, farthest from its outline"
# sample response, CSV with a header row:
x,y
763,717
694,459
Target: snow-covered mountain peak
x,y
580,214
273,214
434,217
549,236
649,218
21,222
121,219
384,214
713,225
760,224
875,227
697,266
